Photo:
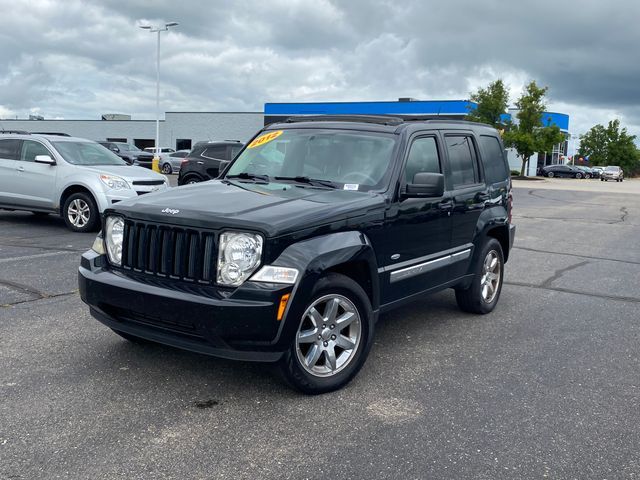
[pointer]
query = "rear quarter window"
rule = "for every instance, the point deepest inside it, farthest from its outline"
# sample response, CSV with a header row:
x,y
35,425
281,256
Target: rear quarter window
x,y
495,166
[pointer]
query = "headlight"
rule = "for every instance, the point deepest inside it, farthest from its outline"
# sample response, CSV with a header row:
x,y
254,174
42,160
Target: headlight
x,y
114,183
238,257
113,233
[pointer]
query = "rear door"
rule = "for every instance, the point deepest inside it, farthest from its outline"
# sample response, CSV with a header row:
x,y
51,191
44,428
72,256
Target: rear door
x,y
34,182
9,154
468,190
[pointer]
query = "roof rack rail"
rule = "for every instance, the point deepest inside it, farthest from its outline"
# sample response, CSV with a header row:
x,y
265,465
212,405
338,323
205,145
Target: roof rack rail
x,y
379,119
16,132
59,134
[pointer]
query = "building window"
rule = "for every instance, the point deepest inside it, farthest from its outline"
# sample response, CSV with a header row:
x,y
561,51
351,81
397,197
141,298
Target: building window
x,y
143,143
121,140
183,144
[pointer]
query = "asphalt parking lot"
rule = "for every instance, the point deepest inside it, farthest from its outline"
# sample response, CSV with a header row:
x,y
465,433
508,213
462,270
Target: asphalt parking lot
x,y
546,386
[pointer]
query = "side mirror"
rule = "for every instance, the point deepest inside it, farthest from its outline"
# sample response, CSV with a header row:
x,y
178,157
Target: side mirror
x,y
425,185
115,149
46,159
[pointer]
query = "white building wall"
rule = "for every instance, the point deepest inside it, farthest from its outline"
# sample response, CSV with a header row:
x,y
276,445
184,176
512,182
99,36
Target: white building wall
x,y
515,162
194,126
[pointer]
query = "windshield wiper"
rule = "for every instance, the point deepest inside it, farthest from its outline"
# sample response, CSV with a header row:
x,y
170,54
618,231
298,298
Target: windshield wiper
x,y
250,176
316,182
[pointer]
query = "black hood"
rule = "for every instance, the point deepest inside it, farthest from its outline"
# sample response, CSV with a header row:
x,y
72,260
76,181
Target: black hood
x,y
274,209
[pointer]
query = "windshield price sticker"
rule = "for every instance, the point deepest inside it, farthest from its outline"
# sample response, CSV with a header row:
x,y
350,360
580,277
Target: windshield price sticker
x,y
266,138
351,186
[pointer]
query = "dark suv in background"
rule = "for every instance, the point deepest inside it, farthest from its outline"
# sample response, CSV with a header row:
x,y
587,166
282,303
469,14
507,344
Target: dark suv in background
x,y
205,159
129,153
317,227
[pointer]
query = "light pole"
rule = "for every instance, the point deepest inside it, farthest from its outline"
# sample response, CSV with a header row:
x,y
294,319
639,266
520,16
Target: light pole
x,y
158,30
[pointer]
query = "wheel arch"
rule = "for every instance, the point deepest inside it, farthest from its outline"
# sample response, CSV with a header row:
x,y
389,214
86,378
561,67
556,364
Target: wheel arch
x,y
75,188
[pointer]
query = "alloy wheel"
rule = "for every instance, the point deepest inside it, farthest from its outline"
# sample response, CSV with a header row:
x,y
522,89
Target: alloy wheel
x,y
490,279
329,335
79,213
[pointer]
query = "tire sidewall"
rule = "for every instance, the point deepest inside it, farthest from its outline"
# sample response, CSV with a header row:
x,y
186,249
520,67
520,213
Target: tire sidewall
x,y
295,373
93,212
476,288
166,169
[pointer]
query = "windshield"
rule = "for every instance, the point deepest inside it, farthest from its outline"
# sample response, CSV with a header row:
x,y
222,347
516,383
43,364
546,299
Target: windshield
x,y
87,153
612,169
350,160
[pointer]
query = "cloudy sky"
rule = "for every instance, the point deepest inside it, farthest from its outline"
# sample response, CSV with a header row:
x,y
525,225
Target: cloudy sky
x,y
78,59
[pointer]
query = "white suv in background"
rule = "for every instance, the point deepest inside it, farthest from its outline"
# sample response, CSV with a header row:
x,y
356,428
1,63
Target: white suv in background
x,y
74,177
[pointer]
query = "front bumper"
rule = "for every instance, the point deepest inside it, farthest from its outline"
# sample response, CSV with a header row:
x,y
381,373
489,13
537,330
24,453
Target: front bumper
x,y
239,324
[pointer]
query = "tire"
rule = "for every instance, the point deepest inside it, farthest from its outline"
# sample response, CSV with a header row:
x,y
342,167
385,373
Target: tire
x,y
191,180
602,179
587,176
578,175
473,299
550,174
132,338
321,374
166,169
80,212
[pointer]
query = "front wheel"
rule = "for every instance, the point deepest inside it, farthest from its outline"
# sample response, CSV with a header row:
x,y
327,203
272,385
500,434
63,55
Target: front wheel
x,y
333,338
578,175
166,169
550,174
80,212
484,292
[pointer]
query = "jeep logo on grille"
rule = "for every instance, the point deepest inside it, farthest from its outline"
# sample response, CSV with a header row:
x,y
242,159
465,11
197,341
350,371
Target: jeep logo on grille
x,y
171,211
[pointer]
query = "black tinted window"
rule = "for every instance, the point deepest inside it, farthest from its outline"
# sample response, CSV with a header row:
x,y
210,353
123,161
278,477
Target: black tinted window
x,y
235,149
30,149
464,170
216,151
423,157
10,149
495,167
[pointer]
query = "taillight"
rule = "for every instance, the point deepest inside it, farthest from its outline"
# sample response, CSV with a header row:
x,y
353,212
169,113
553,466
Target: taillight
x,y
184,161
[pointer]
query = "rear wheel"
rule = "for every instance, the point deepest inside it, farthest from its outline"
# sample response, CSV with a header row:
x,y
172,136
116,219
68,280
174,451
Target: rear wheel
x,y
191,180
578,175
166,168
484,292
333,337
550,174
80,212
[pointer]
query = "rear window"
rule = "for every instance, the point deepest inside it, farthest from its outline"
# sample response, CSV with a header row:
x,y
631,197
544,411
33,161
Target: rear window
x,y
10,149
495,167
216,152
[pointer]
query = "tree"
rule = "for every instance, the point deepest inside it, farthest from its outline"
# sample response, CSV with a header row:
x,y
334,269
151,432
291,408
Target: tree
x,y
491,103
610,145
529,136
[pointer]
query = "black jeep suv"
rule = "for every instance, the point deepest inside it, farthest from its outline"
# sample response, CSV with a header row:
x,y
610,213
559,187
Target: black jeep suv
x,y
317,227
206,160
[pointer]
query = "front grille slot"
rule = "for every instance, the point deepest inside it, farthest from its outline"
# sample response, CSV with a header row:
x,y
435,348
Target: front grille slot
x,y
166,251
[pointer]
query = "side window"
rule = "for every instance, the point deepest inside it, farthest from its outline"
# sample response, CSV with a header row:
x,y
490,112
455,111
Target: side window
x,y
495,167
423,157
30,149
462,160
217,152
10,149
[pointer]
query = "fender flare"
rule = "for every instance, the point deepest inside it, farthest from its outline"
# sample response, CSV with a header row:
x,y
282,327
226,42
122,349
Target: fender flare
x,y
314,257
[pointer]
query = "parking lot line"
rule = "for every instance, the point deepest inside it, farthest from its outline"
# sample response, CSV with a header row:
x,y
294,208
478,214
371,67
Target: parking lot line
x,y
35,255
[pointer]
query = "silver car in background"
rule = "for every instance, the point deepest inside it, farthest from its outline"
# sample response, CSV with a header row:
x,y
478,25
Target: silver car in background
x,y
73,177
612,173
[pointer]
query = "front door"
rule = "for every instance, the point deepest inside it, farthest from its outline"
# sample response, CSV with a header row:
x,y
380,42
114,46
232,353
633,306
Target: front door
x,y
412,246
34,182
